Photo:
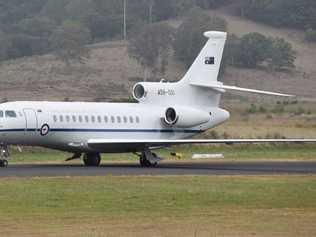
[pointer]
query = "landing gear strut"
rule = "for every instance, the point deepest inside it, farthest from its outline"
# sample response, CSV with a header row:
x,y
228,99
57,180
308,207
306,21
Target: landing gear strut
x,y
148,159
92,159
4,155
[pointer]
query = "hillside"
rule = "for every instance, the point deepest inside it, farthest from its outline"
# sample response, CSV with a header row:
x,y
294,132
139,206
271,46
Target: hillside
x,y
109,73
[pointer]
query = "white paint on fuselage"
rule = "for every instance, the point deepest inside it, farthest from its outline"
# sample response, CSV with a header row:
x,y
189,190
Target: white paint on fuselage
x,y
72,135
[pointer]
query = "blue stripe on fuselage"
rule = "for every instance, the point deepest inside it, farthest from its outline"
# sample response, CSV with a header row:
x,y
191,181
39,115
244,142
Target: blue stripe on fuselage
x,y
105,130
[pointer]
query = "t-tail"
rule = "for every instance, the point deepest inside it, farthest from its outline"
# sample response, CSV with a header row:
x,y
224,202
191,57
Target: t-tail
x,y
200,85
198,90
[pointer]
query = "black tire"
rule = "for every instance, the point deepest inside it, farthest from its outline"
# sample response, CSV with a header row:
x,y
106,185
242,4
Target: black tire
x,y
146,163
92,159
5,163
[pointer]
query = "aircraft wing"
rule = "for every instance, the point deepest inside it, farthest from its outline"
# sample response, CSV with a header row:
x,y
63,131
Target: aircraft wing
x,y
143,143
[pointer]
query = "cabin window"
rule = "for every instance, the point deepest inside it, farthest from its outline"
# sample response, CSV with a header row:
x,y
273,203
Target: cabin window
x,y
92,119
1,114
61,118
74,119
80,119
87,119
137,119
125,119
68,118
55,118
112,119
131,120
118,119
99,119
10,114
106,119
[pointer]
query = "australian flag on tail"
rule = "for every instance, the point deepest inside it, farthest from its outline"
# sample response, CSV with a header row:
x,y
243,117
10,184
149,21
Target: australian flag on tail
x,y
210,60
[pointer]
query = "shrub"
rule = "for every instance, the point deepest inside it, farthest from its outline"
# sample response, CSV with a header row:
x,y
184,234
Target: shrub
x,y
310,35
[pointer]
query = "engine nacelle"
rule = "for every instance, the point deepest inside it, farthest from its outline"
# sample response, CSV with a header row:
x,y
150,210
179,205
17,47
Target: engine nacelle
x,y
154,92
184,117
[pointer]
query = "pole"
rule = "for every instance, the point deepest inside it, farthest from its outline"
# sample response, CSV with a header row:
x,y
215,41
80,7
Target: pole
x,y
124,24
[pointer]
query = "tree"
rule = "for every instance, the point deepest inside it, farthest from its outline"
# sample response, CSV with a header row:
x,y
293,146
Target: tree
x,y
211,3
55,9
37,26
163,9
68,41
231,52
254,49
189,37
282,54
103,27
151,46
295,13
79,9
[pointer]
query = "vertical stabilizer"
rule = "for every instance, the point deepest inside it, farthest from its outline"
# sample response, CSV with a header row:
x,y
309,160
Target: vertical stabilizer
x,y
205,68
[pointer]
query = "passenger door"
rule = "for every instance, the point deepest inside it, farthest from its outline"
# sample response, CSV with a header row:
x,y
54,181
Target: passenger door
x,y
31,123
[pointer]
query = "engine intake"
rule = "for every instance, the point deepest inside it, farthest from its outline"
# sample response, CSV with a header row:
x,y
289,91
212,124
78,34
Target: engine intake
x,y
139,91
171,116
184,117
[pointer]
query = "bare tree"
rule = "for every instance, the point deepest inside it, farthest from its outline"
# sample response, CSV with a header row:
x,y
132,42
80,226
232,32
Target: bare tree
x,y
68,41
151,46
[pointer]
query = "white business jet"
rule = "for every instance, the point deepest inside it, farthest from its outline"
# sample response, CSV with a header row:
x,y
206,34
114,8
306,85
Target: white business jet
x,y
166,114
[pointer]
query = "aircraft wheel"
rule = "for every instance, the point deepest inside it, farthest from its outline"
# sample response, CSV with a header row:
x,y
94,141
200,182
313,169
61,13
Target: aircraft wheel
x,y
92,159
144,162
3,163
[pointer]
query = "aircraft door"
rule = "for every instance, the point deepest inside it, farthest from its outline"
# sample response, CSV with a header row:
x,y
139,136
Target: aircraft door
x,y
31,123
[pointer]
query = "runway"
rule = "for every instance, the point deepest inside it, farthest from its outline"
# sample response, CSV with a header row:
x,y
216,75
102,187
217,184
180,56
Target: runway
x,y
165,168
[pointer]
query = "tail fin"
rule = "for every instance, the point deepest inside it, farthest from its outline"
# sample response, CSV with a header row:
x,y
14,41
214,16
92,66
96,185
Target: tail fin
x,y
205,68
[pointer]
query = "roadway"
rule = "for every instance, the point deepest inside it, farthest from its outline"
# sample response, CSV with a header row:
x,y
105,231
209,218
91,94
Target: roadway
x,y
165,168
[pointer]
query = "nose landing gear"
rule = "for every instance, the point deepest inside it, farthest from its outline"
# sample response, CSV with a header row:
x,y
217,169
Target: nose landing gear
x,y
4,155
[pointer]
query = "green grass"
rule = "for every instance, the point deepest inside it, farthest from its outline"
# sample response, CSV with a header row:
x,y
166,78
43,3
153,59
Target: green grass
x,y
234,152
151,196
259,204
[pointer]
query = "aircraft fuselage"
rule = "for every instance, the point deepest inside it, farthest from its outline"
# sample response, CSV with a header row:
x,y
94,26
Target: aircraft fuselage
x,y
68,126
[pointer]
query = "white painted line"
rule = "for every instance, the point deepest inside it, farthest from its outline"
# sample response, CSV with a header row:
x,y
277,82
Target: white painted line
x,y
208,156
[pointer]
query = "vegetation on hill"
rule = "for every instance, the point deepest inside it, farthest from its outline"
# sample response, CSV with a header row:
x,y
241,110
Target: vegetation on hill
x,y
294,13
151,45
255,49
26,26
299,14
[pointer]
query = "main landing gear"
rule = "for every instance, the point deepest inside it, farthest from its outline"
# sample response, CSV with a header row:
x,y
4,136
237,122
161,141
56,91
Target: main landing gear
x,y
92,159
148,159
4,155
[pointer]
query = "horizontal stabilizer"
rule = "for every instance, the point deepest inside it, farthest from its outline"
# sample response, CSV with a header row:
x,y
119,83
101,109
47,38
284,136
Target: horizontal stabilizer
x,y
222,88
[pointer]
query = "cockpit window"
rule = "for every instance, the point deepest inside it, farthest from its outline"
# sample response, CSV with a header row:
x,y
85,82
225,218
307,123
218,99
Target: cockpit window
x,y
1,114
10,114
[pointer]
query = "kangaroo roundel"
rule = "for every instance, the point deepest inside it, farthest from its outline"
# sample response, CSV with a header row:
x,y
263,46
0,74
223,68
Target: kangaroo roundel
x,y
44,130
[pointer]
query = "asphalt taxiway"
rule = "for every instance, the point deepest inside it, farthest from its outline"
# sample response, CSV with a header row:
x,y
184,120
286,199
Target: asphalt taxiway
x,y
165,168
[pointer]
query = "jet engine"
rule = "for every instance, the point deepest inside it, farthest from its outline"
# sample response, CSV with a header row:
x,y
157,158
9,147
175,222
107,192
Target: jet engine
x,y
184,117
